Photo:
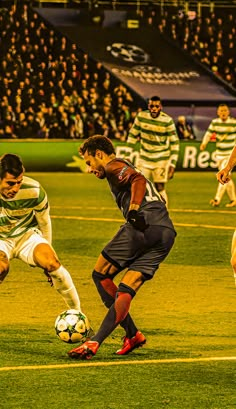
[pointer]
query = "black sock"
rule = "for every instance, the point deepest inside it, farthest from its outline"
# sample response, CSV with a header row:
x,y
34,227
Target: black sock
x,y
116,314
108,290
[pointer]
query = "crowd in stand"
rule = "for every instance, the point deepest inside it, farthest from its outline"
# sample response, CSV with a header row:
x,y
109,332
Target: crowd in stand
x,y
210,39
51,89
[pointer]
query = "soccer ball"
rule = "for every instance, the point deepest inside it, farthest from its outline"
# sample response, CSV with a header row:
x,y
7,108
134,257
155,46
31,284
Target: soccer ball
x,y
72,326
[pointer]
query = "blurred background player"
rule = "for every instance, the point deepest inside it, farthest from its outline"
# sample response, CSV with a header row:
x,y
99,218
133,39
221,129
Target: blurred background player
x,y
184,129
224,129
223,177
139,246
159,144
25,228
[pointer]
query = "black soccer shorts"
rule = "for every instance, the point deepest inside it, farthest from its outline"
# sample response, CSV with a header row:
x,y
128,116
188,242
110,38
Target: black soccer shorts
x,y
138,251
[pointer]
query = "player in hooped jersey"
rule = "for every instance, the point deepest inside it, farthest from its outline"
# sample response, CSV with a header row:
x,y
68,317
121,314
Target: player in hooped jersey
x,y
139,246
224,176
25,228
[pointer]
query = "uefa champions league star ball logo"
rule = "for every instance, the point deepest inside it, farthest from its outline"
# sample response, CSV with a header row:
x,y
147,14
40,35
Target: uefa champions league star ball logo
x,y
128,52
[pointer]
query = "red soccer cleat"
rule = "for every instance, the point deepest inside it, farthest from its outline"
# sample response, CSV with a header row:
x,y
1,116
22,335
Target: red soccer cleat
x,y
85,351
131,343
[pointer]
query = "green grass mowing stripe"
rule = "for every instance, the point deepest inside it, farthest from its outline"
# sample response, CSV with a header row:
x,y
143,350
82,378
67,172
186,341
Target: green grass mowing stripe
x,y
118,363
102,219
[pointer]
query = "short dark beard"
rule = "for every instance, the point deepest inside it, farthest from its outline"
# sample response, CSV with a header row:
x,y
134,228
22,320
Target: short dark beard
x,y
156,115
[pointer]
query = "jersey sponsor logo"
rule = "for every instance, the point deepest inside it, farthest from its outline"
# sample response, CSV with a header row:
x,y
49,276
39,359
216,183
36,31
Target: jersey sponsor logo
x,y
121,174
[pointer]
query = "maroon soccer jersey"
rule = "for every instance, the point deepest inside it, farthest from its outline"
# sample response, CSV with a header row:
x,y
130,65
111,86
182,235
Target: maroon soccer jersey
x,y
129,186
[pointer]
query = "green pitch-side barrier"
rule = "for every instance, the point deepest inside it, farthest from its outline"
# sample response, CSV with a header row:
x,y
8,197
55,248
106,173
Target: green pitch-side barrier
x,y
62,156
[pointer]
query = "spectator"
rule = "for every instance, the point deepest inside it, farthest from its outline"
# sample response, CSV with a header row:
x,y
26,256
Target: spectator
x,y
184,129
210,40
7,132
54,131
41,68
88,122
109,120
77,127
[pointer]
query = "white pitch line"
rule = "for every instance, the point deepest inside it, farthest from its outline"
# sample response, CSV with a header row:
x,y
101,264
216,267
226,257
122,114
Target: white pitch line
x,y
84,208
171,210
97,219
203,211
102,219
206,226
118,363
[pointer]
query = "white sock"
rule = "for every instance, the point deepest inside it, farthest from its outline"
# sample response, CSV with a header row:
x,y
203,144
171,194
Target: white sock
x,y
230,189
235,278
220,192
63,283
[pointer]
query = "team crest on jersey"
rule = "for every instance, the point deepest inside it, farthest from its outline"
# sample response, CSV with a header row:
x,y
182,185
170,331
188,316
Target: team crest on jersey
x,y
120,176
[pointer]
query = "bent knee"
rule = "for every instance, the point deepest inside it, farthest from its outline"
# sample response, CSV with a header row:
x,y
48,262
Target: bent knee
x,y
4,262
46,258
4,265
52,265
233,263
105,267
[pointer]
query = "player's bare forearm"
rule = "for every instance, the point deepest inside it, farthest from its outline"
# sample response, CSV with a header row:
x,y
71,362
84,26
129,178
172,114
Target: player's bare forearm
x,y
171,172
203,146
232,160
223,176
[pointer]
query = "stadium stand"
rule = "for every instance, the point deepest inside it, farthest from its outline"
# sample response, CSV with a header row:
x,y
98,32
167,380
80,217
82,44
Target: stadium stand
x,y
51,88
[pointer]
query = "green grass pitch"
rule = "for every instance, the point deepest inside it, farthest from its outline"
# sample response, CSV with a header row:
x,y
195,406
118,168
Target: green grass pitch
x,y
187,312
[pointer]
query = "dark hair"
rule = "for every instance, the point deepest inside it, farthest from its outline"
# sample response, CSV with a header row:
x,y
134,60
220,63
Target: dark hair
x,y
10,163
155,98
223,105
97,142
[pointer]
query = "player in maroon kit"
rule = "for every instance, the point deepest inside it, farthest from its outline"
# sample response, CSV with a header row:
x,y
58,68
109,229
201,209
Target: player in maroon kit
x,y
139,246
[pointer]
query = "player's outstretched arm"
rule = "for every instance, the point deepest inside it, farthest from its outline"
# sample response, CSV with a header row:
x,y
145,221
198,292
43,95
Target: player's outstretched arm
x,y
207,137
171,172
203,146
45,224
223,176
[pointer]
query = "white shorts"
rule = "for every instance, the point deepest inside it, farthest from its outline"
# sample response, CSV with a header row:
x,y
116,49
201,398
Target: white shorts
x,y
159,174
222,162
22,247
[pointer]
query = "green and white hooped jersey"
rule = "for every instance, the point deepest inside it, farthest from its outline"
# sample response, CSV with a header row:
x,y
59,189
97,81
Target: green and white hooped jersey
x,y
17,215
158,139
225,132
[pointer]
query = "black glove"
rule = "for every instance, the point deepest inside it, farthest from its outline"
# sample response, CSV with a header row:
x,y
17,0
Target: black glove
x,y
137,220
